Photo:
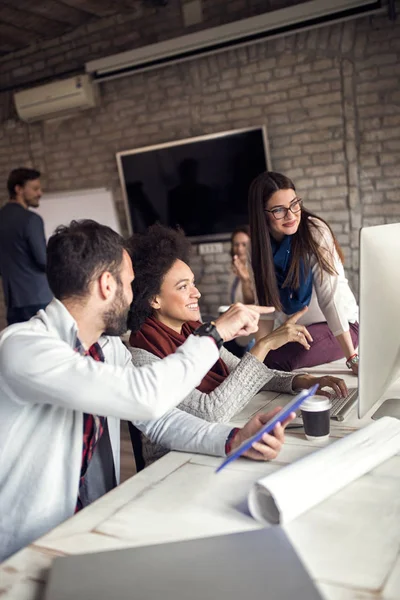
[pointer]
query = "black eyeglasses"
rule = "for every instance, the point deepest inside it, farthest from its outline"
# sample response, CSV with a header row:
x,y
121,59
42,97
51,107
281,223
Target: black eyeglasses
x,y
280,212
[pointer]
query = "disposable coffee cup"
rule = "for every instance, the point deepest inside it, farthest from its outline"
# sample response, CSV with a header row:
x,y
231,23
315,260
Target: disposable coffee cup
x,y
316,418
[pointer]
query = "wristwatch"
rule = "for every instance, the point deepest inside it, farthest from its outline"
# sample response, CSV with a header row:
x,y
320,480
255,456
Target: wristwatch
x,y
209,329
353,360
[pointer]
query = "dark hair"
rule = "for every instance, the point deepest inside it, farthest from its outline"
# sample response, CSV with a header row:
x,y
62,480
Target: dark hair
x,y
153,254
80,252
241,229
303,242
20,177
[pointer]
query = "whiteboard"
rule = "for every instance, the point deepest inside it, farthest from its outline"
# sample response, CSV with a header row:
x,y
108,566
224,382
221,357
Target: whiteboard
x,y
61,208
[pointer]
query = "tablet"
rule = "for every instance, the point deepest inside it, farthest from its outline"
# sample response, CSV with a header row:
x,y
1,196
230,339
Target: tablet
x,y
292,406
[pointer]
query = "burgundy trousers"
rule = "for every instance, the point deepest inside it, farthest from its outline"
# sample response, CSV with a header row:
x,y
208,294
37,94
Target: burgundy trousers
x,y
324,349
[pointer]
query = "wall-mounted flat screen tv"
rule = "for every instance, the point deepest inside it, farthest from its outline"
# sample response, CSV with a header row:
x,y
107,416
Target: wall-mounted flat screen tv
x,y
200,184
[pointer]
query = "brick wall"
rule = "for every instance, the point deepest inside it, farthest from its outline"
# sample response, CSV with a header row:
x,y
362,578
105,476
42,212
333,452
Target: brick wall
x,y
141,25
330,99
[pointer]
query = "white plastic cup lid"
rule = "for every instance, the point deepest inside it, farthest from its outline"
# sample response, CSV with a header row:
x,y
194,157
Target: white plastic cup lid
x,y
316,404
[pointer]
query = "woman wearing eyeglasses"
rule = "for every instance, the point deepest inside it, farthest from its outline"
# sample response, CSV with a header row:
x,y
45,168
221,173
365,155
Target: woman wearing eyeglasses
x,y
297,263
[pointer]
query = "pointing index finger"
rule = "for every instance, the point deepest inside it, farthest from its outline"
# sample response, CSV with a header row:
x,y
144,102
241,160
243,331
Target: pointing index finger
x,y
294,318
262,310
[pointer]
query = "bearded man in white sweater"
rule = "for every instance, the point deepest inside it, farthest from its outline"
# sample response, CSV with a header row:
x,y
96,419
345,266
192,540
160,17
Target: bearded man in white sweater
x,y
66,380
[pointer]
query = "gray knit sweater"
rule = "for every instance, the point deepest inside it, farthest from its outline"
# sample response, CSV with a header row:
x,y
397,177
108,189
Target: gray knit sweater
x,y
247,376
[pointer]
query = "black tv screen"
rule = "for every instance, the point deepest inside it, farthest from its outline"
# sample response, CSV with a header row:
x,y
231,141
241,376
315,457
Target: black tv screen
x,y
200,184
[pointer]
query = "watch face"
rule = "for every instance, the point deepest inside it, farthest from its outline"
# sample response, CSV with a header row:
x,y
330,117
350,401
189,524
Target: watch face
x,y
352,361
210,330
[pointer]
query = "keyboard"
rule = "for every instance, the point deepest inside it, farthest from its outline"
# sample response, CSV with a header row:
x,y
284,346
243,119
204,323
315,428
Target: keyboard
x,y
342,406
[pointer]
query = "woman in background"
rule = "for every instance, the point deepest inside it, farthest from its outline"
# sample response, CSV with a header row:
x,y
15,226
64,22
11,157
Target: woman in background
x,y
240,285
297,263
165,311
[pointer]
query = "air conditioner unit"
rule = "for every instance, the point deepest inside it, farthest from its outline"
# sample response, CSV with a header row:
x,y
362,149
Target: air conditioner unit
x,y
305,15
57,99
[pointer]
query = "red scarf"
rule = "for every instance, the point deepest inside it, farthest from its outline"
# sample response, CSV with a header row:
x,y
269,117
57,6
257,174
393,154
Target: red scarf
x,y
161,340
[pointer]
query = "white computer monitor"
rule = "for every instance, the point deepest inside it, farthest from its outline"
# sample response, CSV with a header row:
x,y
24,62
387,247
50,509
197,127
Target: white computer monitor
x,y
379,342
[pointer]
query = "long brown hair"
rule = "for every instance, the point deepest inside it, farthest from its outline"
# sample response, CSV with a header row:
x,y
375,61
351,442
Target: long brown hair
x,y
303,242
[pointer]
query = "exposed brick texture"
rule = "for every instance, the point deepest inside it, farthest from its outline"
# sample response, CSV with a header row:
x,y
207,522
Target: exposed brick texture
x,y
329,97
141,25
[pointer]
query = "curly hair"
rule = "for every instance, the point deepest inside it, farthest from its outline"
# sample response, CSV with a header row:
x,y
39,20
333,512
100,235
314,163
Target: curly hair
x,y
153,254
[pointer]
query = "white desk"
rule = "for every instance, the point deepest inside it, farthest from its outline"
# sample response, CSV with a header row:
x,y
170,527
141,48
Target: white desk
x,y
349,543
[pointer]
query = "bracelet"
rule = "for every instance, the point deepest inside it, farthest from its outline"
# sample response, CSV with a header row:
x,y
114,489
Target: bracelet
x,y
229,439
352,360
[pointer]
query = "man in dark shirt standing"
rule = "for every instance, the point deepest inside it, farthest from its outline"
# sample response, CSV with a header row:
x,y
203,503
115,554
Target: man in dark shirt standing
x,y
23,248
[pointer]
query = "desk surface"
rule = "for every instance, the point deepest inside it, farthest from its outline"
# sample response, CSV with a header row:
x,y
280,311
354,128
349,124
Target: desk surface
x,y
350,543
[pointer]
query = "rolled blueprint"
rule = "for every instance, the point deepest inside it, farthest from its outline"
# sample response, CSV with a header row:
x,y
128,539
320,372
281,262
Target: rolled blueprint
x,y
285,494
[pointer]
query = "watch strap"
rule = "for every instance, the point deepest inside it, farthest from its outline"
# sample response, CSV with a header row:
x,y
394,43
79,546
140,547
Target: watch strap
x,y
210,330
352,360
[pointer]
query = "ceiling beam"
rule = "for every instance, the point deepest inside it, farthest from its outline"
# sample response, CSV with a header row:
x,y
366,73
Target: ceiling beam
x,y
17,36
28,22
98,8
49,10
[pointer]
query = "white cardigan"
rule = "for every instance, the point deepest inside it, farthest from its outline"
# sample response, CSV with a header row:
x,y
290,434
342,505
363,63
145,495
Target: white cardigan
x,y
46,387
332,299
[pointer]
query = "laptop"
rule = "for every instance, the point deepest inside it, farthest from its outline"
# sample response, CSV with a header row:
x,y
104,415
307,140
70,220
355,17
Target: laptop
x,y
239,566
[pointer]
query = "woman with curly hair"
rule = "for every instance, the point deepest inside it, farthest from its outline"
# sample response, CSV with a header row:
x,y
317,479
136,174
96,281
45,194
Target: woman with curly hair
x,y
165,311
298,263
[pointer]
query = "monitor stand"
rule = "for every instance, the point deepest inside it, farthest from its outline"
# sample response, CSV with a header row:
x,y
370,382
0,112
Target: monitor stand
x,y
389,408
